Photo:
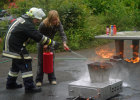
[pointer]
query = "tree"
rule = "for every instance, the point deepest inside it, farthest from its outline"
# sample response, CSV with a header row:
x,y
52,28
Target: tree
x,y
2,2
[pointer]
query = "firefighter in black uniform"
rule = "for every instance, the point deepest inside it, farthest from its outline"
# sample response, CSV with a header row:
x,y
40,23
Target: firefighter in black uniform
x,y
22,29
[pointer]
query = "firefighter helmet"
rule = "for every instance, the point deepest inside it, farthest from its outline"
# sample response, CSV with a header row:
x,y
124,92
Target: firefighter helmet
x,y
36,13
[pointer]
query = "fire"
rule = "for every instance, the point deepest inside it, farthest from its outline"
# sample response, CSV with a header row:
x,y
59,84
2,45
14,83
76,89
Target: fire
x,y
100,67
131,46
105,53
133,60
108,53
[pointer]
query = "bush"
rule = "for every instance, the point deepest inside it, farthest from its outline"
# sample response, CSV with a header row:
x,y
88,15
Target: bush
x,y
2,2
83,19
73,16
98,6
72,12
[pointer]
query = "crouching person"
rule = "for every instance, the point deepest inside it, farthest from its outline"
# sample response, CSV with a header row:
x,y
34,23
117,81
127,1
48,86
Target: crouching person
x,y
22,29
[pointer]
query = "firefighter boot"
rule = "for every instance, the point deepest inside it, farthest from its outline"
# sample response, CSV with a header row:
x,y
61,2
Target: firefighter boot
x,y
33,90
29,85
14,86
11,83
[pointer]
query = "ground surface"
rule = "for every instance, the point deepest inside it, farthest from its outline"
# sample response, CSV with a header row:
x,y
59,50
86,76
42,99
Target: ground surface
x,y
68,70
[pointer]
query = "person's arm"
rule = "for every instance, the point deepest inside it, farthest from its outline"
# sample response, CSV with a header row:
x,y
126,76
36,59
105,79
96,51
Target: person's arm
x,y
63,36
62,33
36,35
65,46
41,30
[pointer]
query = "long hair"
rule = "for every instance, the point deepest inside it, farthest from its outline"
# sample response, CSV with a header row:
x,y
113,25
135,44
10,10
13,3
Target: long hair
x,y
51,15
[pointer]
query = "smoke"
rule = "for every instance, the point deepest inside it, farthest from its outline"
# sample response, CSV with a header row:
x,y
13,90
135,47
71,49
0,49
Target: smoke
x,y
85,76
84,73
119,72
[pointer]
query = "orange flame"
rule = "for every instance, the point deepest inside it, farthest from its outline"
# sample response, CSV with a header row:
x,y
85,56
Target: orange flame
x,y
105,53
133,60
101,66
131,46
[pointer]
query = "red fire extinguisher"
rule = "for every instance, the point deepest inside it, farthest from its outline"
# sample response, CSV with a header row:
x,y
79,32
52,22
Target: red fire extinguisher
x,y
48,62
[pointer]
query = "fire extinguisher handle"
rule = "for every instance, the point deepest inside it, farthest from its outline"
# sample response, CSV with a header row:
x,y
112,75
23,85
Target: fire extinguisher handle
x,y
67,49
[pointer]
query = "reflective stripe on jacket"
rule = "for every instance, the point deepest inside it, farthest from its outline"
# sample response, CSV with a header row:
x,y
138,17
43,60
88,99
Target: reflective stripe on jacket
x,y
19,32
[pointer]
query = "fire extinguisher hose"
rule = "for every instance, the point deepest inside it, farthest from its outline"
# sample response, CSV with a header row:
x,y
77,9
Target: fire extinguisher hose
x,y
71,58
81,58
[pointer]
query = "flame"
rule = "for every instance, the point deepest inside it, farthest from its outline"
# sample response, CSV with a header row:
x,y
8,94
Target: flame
x,y
133,60
131,46
100,67
105,53
135,54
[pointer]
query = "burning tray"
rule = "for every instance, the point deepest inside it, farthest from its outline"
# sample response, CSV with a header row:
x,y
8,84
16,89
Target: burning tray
x,y
99,71
100,87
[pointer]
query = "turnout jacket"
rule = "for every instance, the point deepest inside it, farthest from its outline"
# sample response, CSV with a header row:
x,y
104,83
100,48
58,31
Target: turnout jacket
x,y
51,31
18,33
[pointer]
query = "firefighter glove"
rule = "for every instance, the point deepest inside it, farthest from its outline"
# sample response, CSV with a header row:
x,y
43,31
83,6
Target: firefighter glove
x,y
55,44
52,43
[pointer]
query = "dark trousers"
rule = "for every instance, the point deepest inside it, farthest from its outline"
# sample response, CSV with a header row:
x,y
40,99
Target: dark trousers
x,y
40,73
19,65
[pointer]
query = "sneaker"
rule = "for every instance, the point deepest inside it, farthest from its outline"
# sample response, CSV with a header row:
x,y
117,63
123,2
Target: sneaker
x,y
14,86
33,90
38,84
53,82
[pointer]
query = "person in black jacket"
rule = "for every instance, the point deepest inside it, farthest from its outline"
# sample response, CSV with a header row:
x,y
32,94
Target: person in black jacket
x,y
49,27
19,32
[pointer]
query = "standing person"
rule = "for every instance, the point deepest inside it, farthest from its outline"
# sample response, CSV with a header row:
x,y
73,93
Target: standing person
x,y
49,27
18,33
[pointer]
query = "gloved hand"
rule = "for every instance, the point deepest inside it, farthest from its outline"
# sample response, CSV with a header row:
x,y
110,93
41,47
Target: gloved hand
x,y
52,43
55,44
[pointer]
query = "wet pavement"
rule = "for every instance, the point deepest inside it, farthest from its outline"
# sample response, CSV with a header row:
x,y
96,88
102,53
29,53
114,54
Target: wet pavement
x,y
70,67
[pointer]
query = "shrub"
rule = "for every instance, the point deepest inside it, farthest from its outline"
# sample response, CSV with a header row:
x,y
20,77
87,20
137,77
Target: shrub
x,y
2,2
122,14
72,12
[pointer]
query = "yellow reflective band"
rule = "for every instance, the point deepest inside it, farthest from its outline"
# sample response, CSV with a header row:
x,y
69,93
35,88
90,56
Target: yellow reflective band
x,y
28,75
9,32
12,74
45,39
49,42
29,14
12,56
24,44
